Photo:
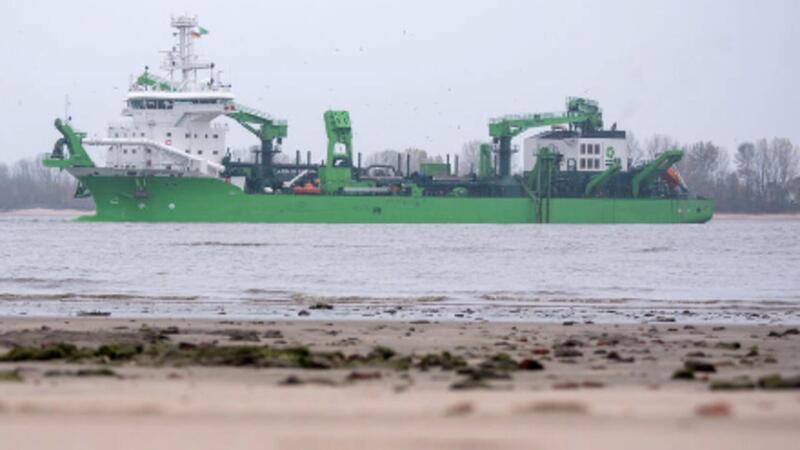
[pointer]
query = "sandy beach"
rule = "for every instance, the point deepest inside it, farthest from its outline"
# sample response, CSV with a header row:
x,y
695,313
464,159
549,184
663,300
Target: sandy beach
x,y
104,382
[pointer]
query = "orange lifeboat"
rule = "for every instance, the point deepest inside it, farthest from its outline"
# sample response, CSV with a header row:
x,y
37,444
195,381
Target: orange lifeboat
x,y
673,178
306,189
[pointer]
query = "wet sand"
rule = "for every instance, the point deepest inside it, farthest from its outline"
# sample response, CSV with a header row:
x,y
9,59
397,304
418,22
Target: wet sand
x,y
502,385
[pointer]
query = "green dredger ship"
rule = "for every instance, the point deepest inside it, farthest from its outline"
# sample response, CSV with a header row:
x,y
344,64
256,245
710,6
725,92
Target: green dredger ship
x,y
170,164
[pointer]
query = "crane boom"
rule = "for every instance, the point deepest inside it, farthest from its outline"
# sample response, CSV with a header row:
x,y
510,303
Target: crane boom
x,y
270,132
582,113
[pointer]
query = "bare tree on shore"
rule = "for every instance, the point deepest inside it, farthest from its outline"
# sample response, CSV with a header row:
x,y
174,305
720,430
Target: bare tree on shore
x,y
469,158
28,184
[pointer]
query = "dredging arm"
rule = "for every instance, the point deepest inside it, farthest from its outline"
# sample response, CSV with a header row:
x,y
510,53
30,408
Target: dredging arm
x,y
654,168
68,150
600,179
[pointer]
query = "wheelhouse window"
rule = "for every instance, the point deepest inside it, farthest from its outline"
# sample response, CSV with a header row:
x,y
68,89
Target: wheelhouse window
x,y
150,103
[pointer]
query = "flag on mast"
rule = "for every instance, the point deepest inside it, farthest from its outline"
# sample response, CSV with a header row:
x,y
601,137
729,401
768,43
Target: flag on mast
x,y
199,31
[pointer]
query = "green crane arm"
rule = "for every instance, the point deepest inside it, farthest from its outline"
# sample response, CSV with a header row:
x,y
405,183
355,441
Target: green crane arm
x,y
655,167
268,130
339,130
72,141
584,113
602,178
264,126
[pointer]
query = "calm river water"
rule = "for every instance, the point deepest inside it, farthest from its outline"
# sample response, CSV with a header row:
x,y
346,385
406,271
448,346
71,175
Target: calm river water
x,y
724,271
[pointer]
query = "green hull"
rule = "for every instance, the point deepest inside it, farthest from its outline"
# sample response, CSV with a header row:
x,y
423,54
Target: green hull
x,y
184,199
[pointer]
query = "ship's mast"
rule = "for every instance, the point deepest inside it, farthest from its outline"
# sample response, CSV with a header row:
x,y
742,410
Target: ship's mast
x,y
183,58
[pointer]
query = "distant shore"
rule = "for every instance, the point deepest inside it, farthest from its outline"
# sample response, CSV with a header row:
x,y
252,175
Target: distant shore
x,y
132,384
737,216
45,212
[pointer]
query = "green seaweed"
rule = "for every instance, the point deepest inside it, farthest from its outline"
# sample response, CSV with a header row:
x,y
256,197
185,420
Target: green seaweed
x,y
444,360
740,383
119,352
10,376
778,382
47,352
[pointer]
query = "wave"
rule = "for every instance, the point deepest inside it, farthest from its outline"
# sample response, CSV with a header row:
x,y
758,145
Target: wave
x,y
35,280
229,244
654,250
360,299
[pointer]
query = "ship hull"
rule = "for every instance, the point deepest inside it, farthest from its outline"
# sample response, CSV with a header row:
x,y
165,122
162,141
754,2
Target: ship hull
x,y
197,199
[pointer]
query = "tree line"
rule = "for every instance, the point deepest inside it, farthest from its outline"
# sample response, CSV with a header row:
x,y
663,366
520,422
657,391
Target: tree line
x,y
28,184
762,176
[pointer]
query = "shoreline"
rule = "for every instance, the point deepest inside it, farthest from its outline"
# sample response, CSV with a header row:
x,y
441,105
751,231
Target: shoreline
x,y
45,212
236,384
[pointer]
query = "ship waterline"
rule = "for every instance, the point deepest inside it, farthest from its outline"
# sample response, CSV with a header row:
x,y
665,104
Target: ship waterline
x,y
194,199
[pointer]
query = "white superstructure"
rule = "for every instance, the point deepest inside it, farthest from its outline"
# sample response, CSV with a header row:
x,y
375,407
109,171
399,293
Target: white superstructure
x,y
171,126
588,152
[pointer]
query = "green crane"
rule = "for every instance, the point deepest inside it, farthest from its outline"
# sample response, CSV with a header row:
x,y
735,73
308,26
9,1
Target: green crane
x,y
582,114
654,168
269,131
340,132
338,170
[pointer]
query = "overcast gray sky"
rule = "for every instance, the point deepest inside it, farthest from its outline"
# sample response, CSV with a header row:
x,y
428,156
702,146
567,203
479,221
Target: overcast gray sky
x,y
425,74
